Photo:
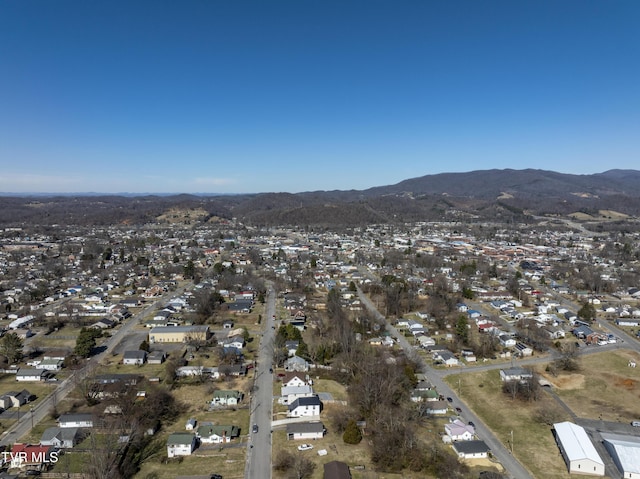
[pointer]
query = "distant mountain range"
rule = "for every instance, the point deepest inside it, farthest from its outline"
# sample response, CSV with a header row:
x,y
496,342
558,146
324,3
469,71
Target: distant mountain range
x,y
507,195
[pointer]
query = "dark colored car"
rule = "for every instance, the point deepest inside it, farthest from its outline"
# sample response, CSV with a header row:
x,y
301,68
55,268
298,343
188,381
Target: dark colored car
x,y
450,399
255,428
458,410
472,424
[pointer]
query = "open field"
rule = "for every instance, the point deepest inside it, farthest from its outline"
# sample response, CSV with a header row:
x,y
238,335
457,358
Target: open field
x,y
606,387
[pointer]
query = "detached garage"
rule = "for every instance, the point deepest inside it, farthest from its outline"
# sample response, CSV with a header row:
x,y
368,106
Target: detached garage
x,y
578,451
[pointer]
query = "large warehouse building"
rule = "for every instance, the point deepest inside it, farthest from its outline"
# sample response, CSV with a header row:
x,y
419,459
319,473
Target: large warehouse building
x,y
179,334
578,451
625,452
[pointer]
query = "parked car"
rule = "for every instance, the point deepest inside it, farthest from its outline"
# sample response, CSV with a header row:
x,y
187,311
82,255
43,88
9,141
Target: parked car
x,y
458,410
305,447
255,428
635,423
472,424
450,399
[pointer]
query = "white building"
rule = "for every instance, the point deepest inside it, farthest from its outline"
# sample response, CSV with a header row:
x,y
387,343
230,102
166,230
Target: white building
x,y
625,452
181,444
578,451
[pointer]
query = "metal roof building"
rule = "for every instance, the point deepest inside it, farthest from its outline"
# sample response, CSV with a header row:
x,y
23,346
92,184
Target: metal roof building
x,y
578,451
625,452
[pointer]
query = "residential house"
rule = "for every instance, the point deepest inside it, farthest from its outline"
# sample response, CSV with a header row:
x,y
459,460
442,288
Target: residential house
x,y
459,431
296,363
76,420
31,457
288,394
32,375
134,357
437,408
515,374
224,397
15,399
446,357
294,378
61,437
471,449
421,395
104,323
523,349
216,434
291,346
507,341
180,444
51,364
227,324
336,470
236,342
156,357
305,406
305,430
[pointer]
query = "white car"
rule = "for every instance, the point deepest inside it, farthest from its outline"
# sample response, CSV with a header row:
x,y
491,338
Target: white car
x,y
305,447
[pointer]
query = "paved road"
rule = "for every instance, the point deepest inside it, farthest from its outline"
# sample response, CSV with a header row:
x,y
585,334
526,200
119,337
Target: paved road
x,y
511,465
41,410
259,444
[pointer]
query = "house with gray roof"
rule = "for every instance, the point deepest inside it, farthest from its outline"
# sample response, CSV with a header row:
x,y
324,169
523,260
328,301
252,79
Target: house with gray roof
x,y
62,437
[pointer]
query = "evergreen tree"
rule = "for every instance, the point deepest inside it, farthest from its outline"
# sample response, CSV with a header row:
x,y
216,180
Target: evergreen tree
x,y
352,434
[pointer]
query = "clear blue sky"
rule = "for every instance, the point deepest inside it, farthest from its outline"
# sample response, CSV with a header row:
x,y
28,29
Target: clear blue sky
x,y
232,96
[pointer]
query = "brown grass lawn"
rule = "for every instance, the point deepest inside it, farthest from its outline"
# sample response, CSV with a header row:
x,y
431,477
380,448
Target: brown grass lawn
x,y
228,461
533,442
332,387
604,388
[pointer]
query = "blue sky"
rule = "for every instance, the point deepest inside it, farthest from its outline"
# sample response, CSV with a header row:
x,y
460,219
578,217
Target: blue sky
x,y
198,96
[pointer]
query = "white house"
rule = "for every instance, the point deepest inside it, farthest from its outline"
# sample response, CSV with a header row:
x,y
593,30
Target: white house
x,y
226,397
134,357
446,357
32,375
305,430
180,444
288,394
578,451
76,420
216,433
294,378
471,449
305,407
515,374
459,431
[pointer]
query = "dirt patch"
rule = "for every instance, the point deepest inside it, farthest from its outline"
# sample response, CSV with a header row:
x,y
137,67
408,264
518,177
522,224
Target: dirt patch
x,y
566,381
627,383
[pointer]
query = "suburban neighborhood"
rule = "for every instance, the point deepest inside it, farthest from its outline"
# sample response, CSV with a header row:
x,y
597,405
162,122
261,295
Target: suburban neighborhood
x,y
428,350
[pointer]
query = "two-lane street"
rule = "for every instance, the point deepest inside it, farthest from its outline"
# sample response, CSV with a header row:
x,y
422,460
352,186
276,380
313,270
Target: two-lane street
x,y
259,444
